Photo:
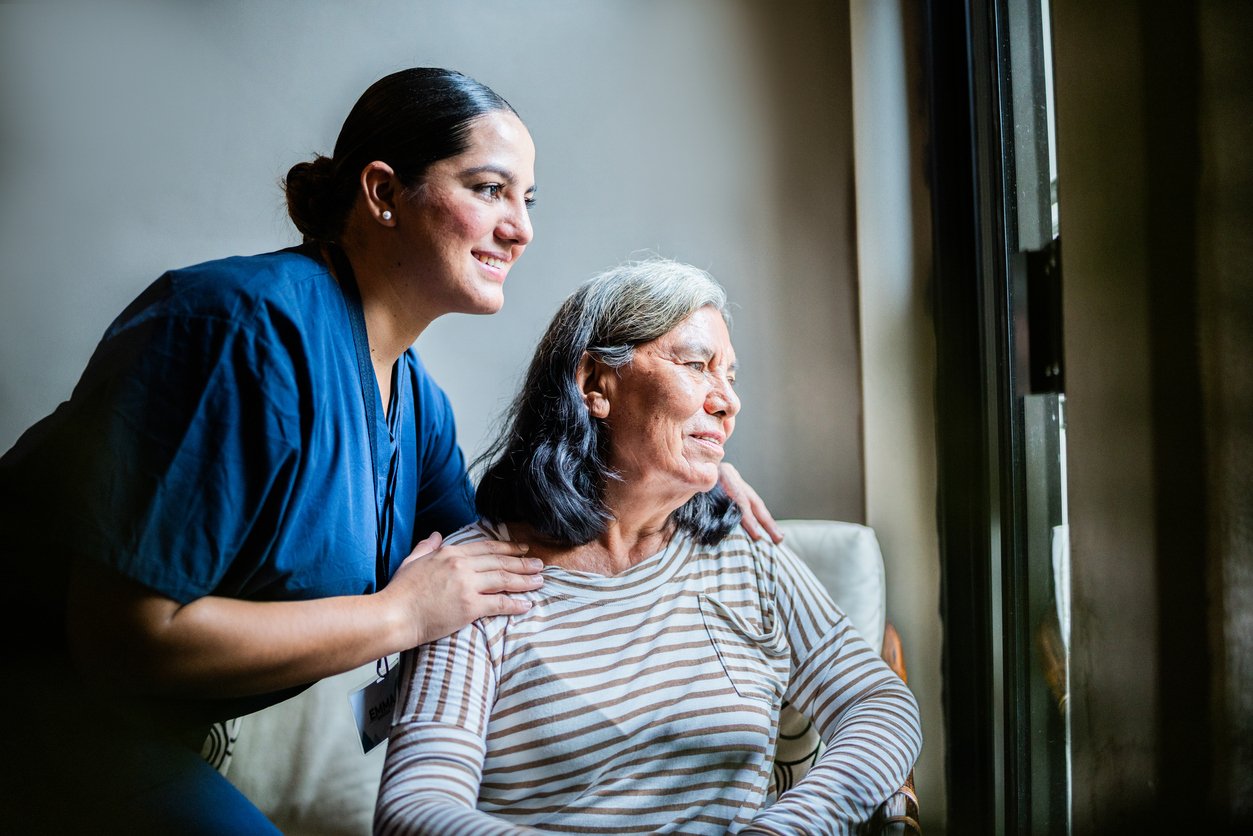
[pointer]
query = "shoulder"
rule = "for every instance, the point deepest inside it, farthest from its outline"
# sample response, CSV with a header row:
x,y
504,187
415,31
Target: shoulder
x,y
239,269
268,306
477,532
493,628
237,292
282,281
774,566
738,549
735,560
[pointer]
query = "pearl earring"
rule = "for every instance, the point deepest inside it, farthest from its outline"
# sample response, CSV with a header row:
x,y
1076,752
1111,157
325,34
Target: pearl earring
x,y
387,214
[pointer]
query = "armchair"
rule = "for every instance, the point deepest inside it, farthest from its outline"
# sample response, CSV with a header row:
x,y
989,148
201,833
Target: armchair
x,y
301,763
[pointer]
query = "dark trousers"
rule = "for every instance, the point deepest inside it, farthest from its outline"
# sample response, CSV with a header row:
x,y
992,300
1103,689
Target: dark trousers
x,y
72,764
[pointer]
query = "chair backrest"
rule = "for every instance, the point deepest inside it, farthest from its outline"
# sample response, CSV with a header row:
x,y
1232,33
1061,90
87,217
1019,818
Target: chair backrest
x,y
847,559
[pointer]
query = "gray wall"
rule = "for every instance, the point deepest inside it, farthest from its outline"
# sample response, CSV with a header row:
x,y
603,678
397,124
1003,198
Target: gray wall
x,y
142,136
898,353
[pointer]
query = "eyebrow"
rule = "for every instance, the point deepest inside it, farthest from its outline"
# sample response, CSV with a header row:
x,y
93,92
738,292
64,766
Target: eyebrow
x,y
501,172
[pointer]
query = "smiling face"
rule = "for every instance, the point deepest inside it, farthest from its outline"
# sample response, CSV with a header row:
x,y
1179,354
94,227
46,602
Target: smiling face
x,y
468,221
670,410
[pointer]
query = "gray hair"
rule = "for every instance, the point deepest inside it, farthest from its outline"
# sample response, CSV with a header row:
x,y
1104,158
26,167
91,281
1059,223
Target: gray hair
x,y
548,466
638,302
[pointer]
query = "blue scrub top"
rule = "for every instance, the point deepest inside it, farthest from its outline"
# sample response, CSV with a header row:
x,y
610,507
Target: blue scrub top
x,y
219,443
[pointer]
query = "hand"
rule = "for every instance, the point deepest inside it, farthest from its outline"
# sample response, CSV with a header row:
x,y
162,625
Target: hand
x,y
756,516
444,588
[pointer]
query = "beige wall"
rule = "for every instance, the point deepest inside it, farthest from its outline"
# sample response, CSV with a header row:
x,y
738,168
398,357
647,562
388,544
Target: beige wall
x,y
898,355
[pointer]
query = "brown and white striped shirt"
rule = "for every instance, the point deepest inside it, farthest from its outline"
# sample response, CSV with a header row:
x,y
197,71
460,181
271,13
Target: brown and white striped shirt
x,y
647,702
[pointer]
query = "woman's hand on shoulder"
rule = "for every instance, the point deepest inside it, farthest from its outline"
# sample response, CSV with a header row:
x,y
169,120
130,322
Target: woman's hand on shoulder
x,y
439,588
757,519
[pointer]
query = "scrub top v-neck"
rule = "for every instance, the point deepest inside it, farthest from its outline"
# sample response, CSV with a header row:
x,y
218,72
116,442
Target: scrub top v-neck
x,y
382,425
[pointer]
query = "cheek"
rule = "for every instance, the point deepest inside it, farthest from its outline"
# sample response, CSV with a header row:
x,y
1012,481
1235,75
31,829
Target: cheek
x,y
454,222
469,222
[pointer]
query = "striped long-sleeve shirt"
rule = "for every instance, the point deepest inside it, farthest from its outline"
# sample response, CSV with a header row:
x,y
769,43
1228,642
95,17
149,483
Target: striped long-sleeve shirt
x,y
647,702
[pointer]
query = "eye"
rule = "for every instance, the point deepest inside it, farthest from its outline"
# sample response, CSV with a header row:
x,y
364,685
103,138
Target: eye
x,y
529,200
491,191
696,365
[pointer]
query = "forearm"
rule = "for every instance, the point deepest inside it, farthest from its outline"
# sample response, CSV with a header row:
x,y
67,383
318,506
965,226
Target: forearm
x,y
131,640
869,752
430,784
864,713
430,813
224,647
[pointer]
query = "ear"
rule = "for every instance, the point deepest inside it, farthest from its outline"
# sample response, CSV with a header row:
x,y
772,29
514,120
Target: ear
x,y
380,190
592,379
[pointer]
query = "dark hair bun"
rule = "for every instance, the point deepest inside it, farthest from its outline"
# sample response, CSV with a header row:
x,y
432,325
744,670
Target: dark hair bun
x,y
312,200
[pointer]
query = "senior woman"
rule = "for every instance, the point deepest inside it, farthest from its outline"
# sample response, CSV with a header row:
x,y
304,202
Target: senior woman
x,y
641,691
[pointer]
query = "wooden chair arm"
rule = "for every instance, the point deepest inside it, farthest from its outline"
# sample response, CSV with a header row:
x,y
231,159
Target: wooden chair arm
x,y
898,816
892,652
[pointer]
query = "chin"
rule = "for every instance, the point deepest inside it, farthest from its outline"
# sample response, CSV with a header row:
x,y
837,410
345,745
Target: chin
x,y
709,485
486,305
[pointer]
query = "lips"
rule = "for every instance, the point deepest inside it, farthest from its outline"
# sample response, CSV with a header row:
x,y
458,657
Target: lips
x,y
710,439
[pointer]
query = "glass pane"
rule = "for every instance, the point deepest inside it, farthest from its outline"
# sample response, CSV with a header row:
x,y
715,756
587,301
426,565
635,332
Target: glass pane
x,y
1048,612
1045,574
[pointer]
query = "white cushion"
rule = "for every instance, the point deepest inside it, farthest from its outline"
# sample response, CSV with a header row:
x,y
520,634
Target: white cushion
x,y
847,559
300,761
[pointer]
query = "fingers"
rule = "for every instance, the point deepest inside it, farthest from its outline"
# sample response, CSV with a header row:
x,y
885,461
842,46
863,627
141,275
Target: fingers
x,y
515,565
749,524
500,575
487,548
763,516
503,573
441,588
510,561
497,575
435,543
491,566
756,518
427,545
505,605
492,596
502,581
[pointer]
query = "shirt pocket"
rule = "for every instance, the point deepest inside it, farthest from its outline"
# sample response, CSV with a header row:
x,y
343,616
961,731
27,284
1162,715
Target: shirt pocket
x,y
756,663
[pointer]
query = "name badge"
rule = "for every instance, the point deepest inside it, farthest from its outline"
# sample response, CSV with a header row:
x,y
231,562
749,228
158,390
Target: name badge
x,y
373,703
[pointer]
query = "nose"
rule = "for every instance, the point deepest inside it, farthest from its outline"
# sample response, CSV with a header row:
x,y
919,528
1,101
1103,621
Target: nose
x,y
515,224
722,399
